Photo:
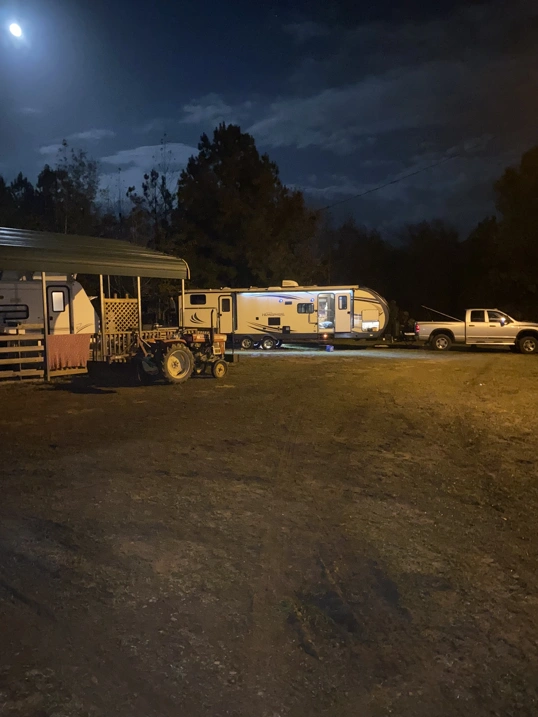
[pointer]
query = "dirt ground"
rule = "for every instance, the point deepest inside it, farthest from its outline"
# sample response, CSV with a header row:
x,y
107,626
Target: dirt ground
x,y
313,535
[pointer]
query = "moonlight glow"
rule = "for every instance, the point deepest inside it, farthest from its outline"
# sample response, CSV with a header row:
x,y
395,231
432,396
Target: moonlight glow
x,y
15,29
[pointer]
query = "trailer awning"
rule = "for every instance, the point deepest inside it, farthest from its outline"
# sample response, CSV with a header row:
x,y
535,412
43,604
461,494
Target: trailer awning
x,y
23,250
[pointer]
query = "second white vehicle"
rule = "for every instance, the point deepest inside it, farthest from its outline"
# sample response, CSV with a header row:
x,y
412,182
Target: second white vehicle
x,y
287,313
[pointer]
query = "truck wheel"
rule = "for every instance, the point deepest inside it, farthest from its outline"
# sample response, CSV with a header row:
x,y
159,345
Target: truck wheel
x,y
268,343
247,343
528,345
441,342
219,369
178,364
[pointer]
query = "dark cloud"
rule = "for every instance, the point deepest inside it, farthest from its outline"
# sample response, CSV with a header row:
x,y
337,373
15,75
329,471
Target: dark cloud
x,y
306,30
393,97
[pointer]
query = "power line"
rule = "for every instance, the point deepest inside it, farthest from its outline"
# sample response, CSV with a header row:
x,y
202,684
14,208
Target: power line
x,y
398,179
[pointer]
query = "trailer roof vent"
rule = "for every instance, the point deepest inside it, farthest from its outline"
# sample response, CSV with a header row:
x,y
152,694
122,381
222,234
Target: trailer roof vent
x,y
288,282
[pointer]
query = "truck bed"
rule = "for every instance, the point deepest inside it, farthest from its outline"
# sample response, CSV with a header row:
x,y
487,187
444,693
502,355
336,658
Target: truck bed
x,y
455,328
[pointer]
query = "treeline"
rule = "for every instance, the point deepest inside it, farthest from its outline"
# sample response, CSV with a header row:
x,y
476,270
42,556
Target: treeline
x,y
235,222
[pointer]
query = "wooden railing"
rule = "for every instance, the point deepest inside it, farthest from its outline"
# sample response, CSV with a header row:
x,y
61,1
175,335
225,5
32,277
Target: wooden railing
x,y
121,345
21,351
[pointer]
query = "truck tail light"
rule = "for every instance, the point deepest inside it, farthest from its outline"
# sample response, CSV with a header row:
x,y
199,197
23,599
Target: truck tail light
x,y
417,328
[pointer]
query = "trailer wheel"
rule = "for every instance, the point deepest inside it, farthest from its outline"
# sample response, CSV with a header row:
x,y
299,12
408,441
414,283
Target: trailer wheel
x,y
247,343
279,344
441,342
219,369
268,343
528,345
178,364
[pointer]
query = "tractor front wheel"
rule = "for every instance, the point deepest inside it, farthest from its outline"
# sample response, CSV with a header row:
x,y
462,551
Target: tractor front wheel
x,y
219,369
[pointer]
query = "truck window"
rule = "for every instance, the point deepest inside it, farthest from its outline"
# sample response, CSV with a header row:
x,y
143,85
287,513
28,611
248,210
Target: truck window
x,y
496,316
305,308
198,299
478,316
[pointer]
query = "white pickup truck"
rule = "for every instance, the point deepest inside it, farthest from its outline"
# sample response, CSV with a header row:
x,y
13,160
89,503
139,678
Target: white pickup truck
x,y
482,327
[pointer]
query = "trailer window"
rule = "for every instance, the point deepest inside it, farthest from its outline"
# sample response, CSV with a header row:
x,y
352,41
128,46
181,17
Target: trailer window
x,y
58,301
342,302
198,299
305,308
225,305
478,316
12,312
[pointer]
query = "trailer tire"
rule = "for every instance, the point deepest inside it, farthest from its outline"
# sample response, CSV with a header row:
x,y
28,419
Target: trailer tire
x,y
528,345
268,343
279,344
178,364
219,369
247,343
441,342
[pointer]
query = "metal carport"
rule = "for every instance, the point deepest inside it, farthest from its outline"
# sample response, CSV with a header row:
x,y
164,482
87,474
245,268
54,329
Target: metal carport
x,y
36,251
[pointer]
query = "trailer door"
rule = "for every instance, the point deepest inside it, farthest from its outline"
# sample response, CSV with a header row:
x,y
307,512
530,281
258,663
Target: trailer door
x,y
225,322
326,313
342,319
58,310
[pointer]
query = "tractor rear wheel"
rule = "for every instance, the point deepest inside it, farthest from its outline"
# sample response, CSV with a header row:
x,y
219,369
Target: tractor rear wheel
x,y
178,364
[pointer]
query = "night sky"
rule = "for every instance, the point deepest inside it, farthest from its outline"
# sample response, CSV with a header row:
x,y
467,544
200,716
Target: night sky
x,y
342,95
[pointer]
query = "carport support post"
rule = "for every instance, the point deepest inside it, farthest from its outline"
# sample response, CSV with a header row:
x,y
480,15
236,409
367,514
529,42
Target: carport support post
x,y
46,372
182,324
102,307
139,295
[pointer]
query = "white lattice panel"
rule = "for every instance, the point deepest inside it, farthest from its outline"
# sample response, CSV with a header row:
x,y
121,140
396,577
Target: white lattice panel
x,y
121,315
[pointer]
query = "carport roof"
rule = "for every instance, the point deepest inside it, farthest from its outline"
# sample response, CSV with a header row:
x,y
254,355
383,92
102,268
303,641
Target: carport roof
x,y
23,250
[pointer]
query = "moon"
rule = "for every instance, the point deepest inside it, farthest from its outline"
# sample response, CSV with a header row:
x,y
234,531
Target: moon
x,y
15,29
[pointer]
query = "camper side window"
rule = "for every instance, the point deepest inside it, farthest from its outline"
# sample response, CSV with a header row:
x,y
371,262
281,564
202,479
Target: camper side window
x,y
12,312
198,299
226,305
342,302
58,301
305,308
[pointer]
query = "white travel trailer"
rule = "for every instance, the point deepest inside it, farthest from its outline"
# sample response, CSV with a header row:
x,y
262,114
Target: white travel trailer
x,y
69,309
287,313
